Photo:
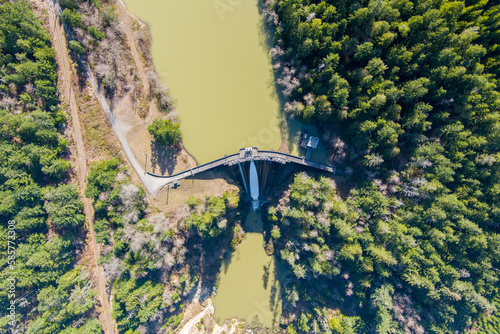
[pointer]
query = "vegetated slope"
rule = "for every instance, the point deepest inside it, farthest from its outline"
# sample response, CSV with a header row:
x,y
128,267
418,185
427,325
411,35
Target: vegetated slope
x,y
406,94
104,36
51,293
97,35
101,40
152,260
490,324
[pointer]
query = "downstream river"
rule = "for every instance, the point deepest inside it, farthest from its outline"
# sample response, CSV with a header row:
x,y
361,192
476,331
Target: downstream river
x,y
249,284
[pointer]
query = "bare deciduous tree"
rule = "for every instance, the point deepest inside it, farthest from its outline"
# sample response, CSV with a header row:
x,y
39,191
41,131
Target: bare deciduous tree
x,y
128,195
8,103
288,81
113,269
168,261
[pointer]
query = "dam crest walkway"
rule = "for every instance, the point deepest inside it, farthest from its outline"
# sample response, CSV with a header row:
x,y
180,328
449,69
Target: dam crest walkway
x,y
244,155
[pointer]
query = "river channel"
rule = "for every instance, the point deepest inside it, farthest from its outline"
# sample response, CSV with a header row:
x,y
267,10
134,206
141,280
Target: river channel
x,y
249,284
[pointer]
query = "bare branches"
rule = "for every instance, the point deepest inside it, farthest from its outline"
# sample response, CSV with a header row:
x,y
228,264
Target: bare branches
x,y
288,81
113,269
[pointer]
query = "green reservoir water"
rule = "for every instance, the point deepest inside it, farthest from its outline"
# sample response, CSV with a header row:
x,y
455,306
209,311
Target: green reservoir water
x,y
213,56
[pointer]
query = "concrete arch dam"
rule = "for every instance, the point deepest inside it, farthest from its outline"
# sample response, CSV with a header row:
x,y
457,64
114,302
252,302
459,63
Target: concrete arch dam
x,y
243,166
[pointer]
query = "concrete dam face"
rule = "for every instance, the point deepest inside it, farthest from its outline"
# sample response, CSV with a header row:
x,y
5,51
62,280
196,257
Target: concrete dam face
x,y
257,178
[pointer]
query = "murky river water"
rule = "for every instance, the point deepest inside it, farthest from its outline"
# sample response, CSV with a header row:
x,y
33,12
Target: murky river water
x,y
249,284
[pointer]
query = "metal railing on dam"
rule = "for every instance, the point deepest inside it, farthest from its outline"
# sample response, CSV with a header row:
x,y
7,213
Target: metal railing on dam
x,y
245,155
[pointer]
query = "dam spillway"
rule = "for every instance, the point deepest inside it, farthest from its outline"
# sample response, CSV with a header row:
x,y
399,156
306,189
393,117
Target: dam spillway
x,y
254,185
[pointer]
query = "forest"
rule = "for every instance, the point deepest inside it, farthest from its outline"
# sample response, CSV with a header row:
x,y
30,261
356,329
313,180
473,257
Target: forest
x,y
41,214
155,262
406,96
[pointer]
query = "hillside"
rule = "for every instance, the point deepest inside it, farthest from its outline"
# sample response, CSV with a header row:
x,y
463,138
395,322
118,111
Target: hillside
x,y
406,94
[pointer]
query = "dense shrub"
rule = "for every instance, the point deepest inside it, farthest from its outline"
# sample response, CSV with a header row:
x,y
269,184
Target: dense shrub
x,y
165,132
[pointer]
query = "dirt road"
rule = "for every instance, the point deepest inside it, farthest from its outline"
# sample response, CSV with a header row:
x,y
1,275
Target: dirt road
x,y
59,44
188,327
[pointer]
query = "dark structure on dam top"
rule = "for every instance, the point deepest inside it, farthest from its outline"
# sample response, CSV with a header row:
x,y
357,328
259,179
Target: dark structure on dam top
x,y
268,166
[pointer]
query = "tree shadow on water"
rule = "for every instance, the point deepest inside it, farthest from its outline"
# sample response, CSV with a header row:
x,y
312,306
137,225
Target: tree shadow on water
x,y
228,258
265,277
163,158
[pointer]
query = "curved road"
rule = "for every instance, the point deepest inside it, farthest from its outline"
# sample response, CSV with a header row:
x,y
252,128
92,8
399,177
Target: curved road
x,y
154,183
